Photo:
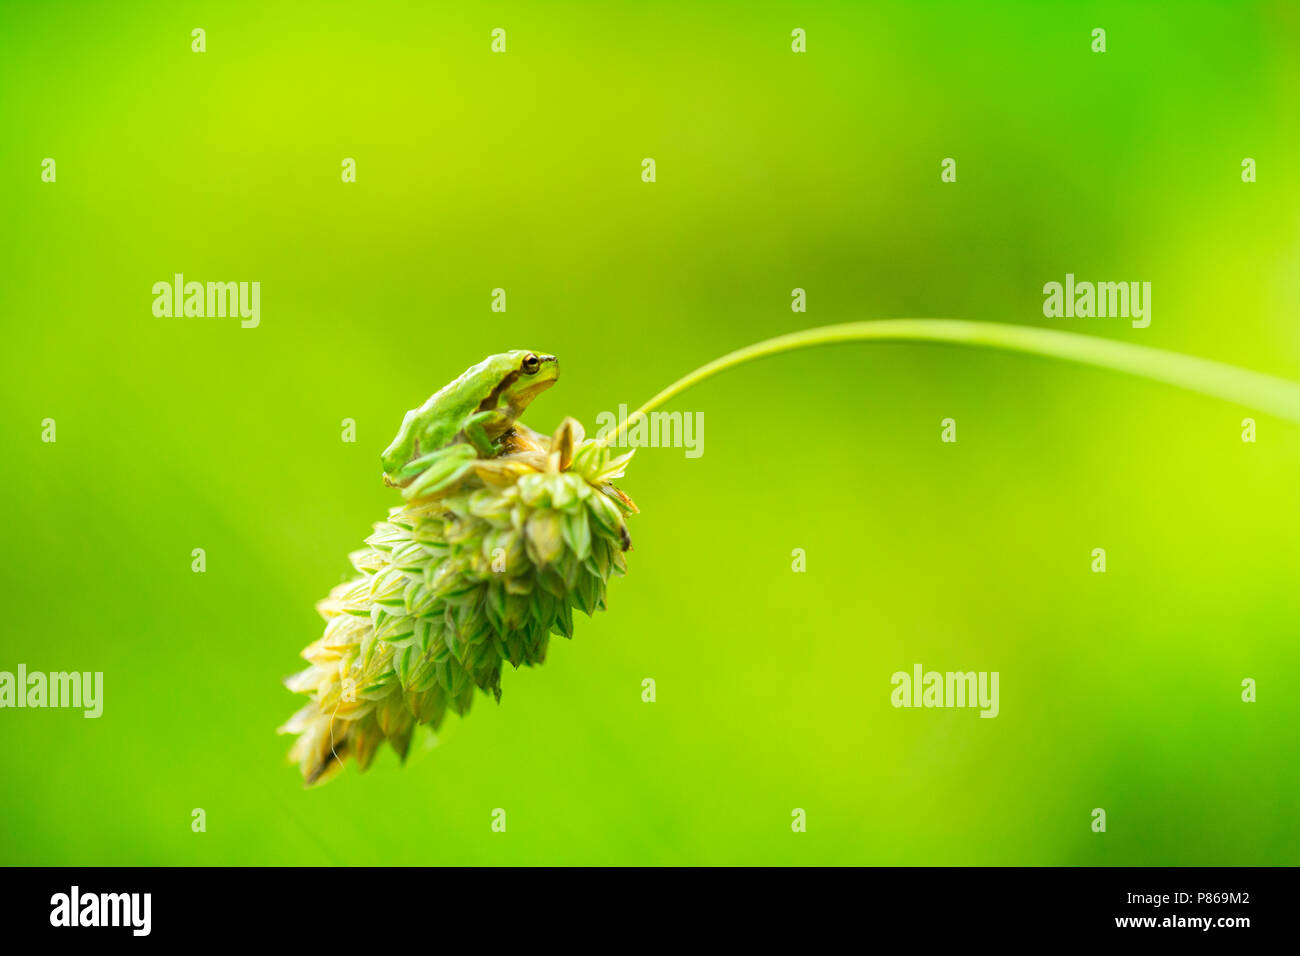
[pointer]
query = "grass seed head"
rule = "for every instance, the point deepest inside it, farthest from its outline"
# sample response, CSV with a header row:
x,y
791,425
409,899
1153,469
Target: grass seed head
x,y
451,587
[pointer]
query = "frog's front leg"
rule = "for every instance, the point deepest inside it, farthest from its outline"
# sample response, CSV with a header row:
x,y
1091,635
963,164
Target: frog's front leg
x,y
476,433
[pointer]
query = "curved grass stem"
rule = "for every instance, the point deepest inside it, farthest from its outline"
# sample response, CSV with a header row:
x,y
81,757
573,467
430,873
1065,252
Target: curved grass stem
x,y
1256,390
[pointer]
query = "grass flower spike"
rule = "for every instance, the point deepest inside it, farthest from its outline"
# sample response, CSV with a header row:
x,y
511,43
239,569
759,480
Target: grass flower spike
x,y
454,584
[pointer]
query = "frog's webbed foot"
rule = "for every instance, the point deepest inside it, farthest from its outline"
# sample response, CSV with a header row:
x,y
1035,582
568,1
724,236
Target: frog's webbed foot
x,y
520,439
435,472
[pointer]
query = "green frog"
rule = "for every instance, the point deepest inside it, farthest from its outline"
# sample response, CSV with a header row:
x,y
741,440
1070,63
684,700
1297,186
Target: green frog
x,y
465,420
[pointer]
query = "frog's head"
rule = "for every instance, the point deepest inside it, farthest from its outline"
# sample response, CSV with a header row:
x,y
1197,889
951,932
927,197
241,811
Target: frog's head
x,y
524,376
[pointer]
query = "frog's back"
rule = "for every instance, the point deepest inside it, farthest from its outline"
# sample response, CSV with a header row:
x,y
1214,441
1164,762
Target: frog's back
x,y
445,411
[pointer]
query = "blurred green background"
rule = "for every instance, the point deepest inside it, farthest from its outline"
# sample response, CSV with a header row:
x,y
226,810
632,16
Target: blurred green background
x,y
775,171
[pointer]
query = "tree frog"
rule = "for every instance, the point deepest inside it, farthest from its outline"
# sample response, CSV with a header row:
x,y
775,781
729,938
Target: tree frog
x,y
439,441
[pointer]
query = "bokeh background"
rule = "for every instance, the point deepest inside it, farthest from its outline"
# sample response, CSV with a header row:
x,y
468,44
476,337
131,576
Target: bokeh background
x,y
775,170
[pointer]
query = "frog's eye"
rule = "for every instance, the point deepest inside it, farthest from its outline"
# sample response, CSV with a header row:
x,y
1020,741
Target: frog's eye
x,y
531,364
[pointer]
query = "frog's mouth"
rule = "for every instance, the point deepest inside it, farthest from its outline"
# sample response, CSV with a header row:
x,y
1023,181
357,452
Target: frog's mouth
x,y
532,385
